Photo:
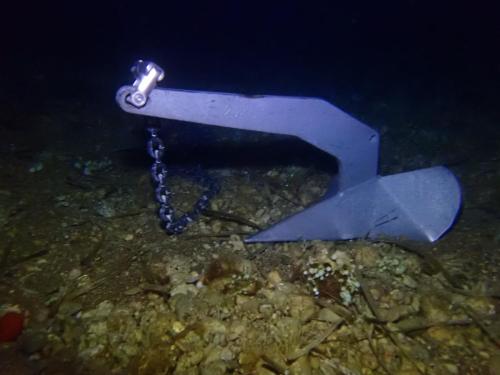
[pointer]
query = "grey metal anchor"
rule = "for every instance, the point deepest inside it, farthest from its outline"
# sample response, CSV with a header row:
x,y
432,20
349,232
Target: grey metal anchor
x,y
418,205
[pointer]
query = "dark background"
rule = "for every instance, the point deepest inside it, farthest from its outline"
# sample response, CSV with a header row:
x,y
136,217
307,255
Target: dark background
x,y
389,63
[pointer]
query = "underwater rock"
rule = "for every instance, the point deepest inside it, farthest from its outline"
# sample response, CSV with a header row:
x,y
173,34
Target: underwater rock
x,y
274,279
235,330
435,308
192,347
328,315
410,282
74,274
276,297
494,364
366,256
68,308
106,208
13,362
218,367
183,305
188,289
37,166
266,310
214,332
394,313
216,227
447,336
480,305
31,342
302,307
91,167
301,366
217,353
236,243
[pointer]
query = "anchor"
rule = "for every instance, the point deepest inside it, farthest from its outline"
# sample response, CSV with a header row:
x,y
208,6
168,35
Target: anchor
x,y
418,205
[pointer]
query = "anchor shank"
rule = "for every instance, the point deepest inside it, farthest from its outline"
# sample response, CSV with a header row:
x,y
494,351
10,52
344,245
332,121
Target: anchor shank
x,y
352,143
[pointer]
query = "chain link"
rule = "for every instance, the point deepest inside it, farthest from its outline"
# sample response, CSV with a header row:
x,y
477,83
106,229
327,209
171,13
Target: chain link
x,y
159,173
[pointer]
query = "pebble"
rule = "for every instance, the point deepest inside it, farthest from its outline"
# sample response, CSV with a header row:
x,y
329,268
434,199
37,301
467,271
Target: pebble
x,y
327,315
494,364
451,368
367,257
32,342
74,274
216,227
226,354
41,314
302,307
184,289
274,278
266,310
132,291
69,308
178,327
409,282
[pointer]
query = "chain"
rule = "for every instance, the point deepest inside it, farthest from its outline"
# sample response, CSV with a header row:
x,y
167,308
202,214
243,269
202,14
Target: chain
x,y
156,149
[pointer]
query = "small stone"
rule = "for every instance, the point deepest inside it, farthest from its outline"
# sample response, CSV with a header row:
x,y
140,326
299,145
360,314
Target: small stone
x,y
184,289
236,330
216,226
451,368
102,311
367,257
481,305
302,307
301,366
36,167
41,314
178,327
244,266
214,368
494,364
183,305
32,341
266,310
484,354
434,308
409,282
236,243
74,274
128,237
132,291
327,315
226,354
274,278
193,278
446,336
69,308
341,258
376,293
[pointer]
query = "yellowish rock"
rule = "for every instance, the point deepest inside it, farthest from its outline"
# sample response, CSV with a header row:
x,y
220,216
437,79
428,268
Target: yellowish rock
x,y
446,335
302,307
178,327
274,279
301,366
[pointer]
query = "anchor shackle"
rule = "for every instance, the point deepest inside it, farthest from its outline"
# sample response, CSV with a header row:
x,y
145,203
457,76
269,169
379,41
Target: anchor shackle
x,y
147,75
